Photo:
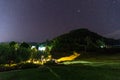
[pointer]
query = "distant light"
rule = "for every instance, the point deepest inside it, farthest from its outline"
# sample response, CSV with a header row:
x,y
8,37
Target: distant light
x,y
41,48
78,10
102,46
33,47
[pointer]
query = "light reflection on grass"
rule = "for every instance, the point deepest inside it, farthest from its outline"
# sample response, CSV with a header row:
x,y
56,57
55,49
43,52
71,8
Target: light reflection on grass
x,y
94,63
77,62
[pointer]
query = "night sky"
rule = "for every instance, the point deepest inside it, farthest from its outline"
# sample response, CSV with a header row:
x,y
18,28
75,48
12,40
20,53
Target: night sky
x,y
39,20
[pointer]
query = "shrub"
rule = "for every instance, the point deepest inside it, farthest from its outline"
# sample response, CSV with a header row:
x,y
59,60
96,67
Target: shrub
x,y
27,65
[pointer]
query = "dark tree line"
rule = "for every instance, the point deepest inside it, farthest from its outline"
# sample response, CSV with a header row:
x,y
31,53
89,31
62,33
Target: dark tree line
x,y
81,40
15,53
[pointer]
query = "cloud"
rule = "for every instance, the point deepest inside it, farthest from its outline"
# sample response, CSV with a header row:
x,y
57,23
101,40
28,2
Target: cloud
x,y
115,34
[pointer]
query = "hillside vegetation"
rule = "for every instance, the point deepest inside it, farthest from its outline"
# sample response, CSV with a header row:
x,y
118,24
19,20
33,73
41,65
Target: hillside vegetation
x,y
81,40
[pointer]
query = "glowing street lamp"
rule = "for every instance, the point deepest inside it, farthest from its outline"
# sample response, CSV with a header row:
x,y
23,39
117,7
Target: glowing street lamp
x,y
33,47
41,48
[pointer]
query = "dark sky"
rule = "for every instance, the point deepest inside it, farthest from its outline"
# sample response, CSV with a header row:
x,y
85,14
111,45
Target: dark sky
x,y
39,20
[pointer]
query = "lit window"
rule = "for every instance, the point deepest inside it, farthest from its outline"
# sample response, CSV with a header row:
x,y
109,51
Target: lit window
x,y
41,48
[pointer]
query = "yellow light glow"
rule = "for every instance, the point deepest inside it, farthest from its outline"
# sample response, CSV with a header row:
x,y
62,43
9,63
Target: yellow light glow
x,y
34,61
11,65
68,58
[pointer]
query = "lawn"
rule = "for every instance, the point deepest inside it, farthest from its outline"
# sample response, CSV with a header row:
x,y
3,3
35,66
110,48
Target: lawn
x,y
75,70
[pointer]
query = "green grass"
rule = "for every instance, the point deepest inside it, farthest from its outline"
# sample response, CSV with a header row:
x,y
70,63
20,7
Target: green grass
x,y
90,71
77,71
28,74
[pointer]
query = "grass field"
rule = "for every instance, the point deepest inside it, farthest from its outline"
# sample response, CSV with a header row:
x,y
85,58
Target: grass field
x,y
89,69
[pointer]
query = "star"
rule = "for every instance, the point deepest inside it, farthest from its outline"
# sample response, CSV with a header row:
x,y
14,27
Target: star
x,y
114,1
78,11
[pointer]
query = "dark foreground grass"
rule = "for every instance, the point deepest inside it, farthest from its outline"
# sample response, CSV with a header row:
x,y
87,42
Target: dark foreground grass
x,y
80,71
86,72
27,74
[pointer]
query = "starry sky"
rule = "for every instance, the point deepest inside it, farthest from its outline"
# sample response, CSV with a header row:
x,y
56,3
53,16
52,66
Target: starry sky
x,y
39,20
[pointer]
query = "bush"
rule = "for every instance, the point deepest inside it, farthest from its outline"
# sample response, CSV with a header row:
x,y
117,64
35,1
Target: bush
x,y
19,66
27,65
50,63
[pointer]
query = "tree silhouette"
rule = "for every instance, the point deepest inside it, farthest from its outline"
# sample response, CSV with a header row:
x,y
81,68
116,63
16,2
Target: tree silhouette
x,y
25,45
